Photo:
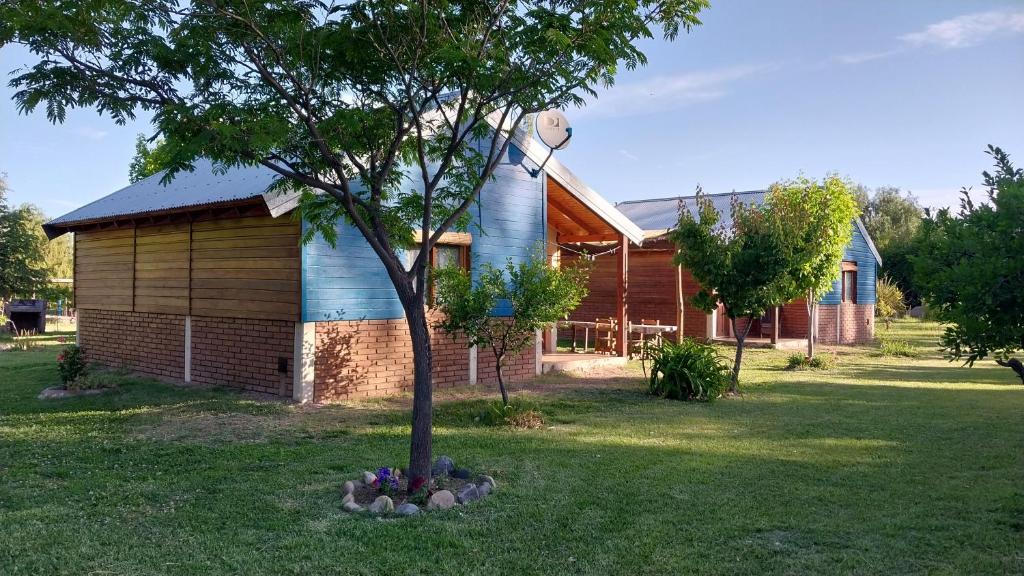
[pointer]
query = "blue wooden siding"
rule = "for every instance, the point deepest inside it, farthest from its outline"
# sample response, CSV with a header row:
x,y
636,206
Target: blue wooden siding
x,y
859,252
349,282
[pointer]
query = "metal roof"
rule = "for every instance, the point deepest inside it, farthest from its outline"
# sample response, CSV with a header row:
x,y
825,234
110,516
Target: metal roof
x,y
204,186
663,213
659,215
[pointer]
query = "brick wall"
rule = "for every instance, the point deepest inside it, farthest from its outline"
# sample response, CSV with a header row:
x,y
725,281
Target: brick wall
x,y
856,323
793,319
243,353
359,359
143,342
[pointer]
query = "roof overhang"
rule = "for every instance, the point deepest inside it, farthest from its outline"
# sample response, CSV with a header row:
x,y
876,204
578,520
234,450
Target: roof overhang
x,y
867,238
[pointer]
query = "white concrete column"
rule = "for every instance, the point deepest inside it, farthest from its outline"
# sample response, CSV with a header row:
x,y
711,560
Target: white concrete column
x,y
188,349
472,364
552,345
712,325
538,352
304,371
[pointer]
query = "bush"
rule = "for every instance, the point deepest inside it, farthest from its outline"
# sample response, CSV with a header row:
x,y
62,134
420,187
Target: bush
x,y
518,414
889,301
897,348
689,370
821,361
71,364
98,379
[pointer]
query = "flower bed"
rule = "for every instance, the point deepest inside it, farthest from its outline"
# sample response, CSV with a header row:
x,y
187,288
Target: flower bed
x,y
386,491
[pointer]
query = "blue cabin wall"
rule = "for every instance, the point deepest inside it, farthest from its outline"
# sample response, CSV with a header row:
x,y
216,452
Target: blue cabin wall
x,y
859,252
348,282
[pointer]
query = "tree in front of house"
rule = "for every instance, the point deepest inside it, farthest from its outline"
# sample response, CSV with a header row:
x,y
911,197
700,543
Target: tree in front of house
x,y
818,221
892,218
389,114
22,246
148,160
738,265
536,293
970,267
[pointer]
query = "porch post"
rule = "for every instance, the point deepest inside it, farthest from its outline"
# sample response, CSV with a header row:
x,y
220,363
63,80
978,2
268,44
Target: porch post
x,y
775,325
621,292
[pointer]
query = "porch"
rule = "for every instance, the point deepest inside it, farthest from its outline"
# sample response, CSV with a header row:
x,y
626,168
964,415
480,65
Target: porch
x,y
759,342
578,362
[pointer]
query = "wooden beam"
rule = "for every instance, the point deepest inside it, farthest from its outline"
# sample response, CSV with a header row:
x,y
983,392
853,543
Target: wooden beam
x,y
569,214
577,238
621,293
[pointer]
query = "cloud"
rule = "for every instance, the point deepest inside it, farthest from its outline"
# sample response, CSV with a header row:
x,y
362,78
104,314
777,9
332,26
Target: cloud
x,y
628,155
90,133
959,32
967,30
667,92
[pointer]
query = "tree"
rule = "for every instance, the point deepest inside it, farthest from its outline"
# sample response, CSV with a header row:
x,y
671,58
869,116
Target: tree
x,y
818,223
56,257
538,294
391,114
148,160
739,266
971,269
22,267
892,219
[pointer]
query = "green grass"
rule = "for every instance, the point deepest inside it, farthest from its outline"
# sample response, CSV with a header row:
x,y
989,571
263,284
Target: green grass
x,y
879,466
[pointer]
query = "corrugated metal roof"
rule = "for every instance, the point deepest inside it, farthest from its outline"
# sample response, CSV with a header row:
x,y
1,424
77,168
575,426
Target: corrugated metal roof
x,y
201,187
663,213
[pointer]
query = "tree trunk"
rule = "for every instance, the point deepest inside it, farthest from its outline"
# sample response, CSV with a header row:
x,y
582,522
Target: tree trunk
x,y
741,337
500,369
1014,364
421,446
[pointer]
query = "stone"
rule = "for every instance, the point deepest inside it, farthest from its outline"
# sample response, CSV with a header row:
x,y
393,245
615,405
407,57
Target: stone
x,y
407,509
347,498
349,487
382,505
484,489
461,474
369,478
443,466
442,500
469,493
485,479
352,507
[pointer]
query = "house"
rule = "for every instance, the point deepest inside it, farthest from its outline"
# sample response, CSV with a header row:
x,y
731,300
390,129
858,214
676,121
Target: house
x,y
659,291
205,280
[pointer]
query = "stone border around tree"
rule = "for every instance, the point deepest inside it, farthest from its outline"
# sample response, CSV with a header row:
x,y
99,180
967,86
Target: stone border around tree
x,y
444,499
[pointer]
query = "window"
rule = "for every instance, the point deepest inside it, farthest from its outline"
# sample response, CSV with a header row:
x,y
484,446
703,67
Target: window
x,y
442,256
849,282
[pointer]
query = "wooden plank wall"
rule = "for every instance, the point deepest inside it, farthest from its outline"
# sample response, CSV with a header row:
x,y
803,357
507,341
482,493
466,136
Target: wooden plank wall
x,y
104,269
235,268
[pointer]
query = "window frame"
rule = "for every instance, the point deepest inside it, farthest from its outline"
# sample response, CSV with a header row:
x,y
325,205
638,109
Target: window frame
x,y
848,283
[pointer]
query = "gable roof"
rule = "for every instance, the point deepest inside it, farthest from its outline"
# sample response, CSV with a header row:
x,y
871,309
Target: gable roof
x,y
662,214
207,187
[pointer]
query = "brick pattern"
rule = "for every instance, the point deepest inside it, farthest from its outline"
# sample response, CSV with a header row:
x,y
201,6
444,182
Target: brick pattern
x,y
143,342
856,323
793,320
243,353
367,358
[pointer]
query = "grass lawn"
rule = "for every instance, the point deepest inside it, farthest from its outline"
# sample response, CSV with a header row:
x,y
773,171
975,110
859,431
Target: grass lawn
x,y
880,466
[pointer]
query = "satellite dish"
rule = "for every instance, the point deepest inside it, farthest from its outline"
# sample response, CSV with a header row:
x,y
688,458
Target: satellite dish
x,y
553,129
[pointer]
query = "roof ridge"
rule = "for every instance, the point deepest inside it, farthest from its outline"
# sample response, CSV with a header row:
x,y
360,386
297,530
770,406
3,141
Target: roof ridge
x,y
684,197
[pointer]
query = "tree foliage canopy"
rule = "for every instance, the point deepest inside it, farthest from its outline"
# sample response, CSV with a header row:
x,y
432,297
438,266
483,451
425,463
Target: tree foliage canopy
x,y
971,269
148,160
23,269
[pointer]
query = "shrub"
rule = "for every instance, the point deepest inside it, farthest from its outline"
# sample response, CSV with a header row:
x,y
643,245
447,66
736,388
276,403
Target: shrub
x,y
689,370
518,414
889,301
798,361
901,348
97,379
71,364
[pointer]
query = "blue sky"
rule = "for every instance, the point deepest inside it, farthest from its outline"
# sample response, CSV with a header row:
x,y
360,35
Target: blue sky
x,y
903,93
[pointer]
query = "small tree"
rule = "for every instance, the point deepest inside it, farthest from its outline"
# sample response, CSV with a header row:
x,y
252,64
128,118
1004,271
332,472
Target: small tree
x,y
739,266
971,270
149,160
537,293
818,222
889,302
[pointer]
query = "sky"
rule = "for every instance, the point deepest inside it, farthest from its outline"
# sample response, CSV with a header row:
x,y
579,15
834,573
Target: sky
x,y
905,94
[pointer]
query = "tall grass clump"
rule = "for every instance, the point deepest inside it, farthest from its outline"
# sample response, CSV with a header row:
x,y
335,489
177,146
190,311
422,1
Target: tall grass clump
x,y
689,370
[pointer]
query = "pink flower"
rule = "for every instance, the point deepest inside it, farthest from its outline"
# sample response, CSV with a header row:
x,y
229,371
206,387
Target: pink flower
x,y
61,339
